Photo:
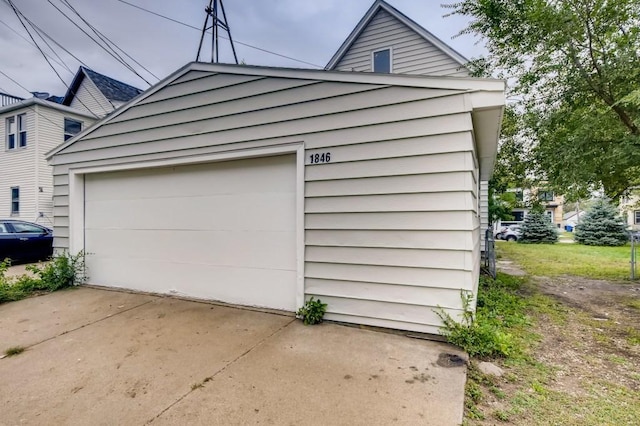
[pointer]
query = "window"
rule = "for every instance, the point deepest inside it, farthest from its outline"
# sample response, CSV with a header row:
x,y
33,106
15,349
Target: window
x,y
15,200
545,195
71,128
382,61
519,195
636,215
24,228
17,131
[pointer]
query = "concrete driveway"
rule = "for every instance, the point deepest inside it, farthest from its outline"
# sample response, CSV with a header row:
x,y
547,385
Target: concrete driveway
x,y
104,357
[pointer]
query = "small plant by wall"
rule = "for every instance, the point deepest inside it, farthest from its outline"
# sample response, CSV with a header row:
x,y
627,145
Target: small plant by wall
x,y
312,312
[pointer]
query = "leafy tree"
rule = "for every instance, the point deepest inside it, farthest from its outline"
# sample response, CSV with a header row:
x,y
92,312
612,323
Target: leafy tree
x,y
574,72
602,225
537,228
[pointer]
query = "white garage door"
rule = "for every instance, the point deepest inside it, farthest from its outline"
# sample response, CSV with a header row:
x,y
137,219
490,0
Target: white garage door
x,y
221,231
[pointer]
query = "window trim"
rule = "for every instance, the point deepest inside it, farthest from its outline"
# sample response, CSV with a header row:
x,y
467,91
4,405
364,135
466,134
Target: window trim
x,y
373,52
14,201
544,196
64,129
20,131
636,217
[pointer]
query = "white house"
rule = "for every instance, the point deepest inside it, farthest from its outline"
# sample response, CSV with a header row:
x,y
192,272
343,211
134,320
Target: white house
x,y
263,186
31,128
34,126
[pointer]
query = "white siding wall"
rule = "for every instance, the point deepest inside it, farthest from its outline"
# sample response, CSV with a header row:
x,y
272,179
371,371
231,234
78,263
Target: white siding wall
x,y
90,100
17,168
484,210
412,54
50,135
391,223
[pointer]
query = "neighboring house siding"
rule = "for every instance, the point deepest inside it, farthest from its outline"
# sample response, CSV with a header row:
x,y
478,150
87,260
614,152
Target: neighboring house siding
x,y
50,135
90,100
17,169
484,211
411,53
390,224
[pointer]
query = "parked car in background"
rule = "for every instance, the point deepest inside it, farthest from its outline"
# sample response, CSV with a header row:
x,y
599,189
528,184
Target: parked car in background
x,y
509,233
22,241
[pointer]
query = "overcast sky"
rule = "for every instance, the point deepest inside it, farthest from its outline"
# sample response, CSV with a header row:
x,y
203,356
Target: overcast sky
x,y
309,31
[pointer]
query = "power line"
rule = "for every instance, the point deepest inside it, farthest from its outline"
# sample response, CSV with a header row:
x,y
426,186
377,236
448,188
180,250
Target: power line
x,y
26,39
107,41
20,15
235,41
119,59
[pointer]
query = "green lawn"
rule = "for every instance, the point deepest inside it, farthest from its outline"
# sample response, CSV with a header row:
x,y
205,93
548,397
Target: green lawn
x,y
571,259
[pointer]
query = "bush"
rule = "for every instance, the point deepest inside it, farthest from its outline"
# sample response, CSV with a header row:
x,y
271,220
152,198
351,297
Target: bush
x,y
537,229
487,332
601,225
62,271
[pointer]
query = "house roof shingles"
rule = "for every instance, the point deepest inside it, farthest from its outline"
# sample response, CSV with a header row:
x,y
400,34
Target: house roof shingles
x,y
112,89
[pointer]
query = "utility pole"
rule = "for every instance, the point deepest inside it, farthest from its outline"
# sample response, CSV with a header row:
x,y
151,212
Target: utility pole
x,y
213,11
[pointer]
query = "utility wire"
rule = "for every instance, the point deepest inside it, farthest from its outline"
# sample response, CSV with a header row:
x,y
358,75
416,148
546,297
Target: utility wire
x,y
108,41
27,40
19,15
16,83
235,41
97,42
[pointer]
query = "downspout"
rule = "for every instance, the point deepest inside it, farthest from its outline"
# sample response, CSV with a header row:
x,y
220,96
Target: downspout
x,y
36,144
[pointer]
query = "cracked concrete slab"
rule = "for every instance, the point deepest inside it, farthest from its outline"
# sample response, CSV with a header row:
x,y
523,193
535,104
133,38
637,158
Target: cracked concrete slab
x,y
36,319
171,361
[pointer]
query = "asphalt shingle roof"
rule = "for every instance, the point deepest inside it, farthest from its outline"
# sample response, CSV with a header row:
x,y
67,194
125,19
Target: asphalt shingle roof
x,y
112,89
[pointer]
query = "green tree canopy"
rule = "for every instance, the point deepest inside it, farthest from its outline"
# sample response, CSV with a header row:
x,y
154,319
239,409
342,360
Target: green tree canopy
x,y
574,71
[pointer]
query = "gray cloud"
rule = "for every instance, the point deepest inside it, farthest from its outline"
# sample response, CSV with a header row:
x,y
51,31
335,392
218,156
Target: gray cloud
x,y
310,31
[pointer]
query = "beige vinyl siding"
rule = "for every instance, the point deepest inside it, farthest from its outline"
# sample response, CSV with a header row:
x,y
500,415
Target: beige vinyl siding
x,y
17,168
484,211
394,210
90,100
411,53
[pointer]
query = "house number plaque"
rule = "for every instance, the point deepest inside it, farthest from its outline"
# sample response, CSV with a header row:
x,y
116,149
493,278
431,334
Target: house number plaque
x,y
320,158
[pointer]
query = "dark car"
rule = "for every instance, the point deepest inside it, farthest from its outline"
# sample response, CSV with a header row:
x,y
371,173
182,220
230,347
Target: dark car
x,y
23,241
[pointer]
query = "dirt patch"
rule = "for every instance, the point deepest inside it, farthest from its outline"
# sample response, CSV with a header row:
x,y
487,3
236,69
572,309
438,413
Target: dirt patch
x,y
586,362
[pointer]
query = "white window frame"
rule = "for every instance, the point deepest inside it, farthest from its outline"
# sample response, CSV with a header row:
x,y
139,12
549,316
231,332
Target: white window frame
x,y
15,212
636,217
373,52
64,123
19,122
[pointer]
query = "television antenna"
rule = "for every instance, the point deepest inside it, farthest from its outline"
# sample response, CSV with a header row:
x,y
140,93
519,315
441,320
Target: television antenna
x,y
215,8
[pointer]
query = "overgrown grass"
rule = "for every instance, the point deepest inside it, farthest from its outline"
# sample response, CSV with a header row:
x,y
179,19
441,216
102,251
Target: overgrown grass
x,y
500,325
571,259
62,271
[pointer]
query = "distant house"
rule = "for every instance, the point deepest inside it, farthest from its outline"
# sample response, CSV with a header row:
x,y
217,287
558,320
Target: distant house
x,y
97,94
265,186
571,219
630,208
553,205
31,127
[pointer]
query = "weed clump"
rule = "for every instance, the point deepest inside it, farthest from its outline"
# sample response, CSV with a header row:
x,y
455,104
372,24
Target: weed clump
x,y
62,271
487,332
312,312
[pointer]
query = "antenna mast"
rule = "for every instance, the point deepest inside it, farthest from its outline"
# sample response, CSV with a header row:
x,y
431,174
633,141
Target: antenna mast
x,y
213,10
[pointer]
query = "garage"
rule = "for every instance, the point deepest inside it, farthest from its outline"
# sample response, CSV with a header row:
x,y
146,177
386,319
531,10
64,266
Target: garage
x,y
221,231
268,186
